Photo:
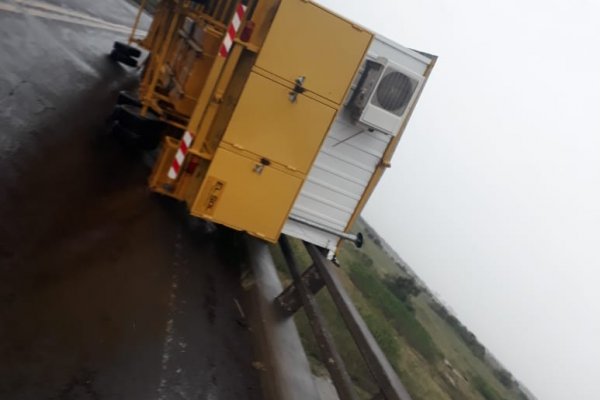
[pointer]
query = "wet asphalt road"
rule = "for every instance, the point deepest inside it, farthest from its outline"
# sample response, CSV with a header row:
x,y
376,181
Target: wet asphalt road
x,y
105,290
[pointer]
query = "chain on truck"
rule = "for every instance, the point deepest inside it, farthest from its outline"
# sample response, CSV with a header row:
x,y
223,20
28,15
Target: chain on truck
x,y
268,116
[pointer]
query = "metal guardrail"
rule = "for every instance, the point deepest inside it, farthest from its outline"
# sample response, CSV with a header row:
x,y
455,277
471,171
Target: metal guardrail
x,y
322,273
276,340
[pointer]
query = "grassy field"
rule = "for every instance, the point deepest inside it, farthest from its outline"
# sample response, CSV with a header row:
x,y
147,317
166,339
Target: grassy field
x,y
435,356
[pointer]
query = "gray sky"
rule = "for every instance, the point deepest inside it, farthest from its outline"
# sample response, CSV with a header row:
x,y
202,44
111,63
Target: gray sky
x,y
494,192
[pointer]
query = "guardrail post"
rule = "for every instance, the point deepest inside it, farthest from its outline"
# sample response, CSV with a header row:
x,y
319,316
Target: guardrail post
x,y
378,364
289,300
330,356
277,343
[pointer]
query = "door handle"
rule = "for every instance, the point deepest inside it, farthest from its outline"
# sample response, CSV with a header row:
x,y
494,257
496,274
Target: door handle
x,y
259,167
298,89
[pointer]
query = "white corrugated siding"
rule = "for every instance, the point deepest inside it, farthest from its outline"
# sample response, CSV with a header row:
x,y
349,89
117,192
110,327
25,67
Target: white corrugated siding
x,y
337,181
344,166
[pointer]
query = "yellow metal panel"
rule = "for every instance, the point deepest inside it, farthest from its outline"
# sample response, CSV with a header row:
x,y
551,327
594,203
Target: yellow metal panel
x,y
158,180
265,122
246,195
307,40
309,94
279,167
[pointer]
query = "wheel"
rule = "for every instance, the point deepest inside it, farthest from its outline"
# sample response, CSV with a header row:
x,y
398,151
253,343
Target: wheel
x,y
128,98
123,58
130,116
125,136
127,49
149,140
144,132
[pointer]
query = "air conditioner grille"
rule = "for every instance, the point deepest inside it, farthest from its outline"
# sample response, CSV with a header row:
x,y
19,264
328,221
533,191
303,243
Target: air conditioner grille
x,y
394,92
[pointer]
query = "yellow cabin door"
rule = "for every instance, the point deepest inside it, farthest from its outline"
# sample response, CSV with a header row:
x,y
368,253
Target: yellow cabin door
x,y
267,123
307,40
244,194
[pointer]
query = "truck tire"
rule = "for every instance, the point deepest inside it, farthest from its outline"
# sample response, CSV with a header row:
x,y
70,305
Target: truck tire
x,y
130,117
124,136
143,132
123,58
127,49
146,140
126,97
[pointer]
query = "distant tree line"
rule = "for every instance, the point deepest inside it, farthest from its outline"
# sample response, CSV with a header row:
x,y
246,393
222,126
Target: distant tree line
x,y
404,288
505,377
463,332
509,382
399,316
393,295
373,236
485,389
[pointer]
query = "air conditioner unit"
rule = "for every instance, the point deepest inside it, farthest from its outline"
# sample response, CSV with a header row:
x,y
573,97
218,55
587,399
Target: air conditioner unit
x,y
384,94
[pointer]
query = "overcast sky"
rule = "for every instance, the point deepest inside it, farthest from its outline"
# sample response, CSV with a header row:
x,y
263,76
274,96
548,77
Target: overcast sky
x,y
494,192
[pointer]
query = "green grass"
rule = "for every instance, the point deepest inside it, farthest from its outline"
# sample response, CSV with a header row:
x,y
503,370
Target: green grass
x,y
381,262
430,357
455,349
485,389
397,313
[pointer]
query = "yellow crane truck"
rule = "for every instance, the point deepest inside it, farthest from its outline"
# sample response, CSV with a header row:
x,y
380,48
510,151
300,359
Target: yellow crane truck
x,y
269,116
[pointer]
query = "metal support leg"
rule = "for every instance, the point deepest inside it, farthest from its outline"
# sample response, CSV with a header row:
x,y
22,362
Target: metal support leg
x,y
137,21
380,368
289,300
330,356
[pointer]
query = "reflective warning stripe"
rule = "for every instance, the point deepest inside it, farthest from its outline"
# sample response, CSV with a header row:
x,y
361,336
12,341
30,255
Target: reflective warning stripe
x,y
184,145
232,30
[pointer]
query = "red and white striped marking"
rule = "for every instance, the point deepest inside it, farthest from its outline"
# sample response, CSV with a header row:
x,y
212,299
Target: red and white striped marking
x,y
232,30
184,145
